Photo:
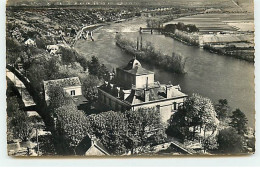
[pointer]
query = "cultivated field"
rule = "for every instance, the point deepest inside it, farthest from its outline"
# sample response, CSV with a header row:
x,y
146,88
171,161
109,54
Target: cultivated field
x,y
219,22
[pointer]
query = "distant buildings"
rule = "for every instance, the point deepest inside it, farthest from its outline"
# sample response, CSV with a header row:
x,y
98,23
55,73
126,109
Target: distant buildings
x,y
134,87
71,86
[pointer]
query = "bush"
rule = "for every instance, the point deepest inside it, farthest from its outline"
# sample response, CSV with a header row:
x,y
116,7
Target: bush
x,y
230,142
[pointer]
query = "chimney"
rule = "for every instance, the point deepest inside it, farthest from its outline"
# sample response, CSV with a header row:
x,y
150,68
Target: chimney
x,y
146,95
169,91
146,91
118,91
146,85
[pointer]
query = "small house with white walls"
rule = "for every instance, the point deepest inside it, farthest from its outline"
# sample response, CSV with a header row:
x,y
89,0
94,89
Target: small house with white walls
x,y
72,86
52,49
30,42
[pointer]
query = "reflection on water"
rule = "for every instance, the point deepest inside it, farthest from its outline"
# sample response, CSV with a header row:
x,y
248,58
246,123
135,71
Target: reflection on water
x,y
211,75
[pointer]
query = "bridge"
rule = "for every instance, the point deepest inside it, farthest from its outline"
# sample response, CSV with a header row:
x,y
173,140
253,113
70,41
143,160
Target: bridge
x,y
151,30
86,32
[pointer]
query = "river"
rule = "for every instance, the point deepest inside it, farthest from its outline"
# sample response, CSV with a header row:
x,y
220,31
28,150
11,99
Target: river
x,y
211,75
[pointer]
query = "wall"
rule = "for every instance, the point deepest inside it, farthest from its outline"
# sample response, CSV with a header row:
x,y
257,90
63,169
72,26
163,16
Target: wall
x,y
78,90
141,80
127,79
111,102
165,106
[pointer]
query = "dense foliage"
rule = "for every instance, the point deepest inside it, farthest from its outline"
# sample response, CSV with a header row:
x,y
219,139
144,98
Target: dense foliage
x,y
71,125
196,115
19,125
239,122
182,27
196,120
229,141
123,132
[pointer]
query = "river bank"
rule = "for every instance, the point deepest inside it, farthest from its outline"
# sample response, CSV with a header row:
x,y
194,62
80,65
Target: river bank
x,y
148,54
230,49
212,75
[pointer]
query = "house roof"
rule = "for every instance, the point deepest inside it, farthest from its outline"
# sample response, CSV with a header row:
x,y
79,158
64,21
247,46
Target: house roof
x,y
88,143
156,91
66,82
132,64
101,147
139,71
135,67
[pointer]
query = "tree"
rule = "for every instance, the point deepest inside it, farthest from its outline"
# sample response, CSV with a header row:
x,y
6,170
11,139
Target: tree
x,y
14,49
239,121
94,66
196,117
89,87
170,28
22,125
178,126
222,109
111,129
72,125
96,69
209,143
229,141
145,127
19,124
58,97
200,113
41,43
68,55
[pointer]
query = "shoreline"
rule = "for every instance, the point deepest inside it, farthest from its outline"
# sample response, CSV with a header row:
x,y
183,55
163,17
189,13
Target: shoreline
x,y
142,55
209,49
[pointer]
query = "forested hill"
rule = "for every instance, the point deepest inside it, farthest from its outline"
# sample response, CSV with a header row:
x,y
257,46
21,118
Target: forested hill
x,y
244,4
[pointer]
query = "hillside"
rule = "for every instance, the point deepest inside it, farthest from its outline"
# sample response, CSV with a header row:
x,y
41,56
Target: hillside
x,y
244,4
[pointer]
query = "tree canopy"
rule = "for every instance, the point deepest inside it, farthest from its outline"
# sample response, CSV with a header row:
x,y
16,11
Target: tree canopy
x,y
222,109
72,125
239,121
229,141
123,132
197,115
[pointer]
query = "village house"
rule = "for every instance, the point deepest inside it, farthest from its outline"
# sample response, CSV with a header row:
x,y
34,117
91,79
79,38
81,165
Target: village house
x,y
90,146
71,86
30,42
134,87
52,49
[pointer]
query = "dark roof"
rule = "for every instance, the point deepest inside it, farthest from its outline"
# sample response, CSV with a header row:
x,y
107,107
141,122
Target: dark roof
x,y
156,92
137,96
79,100
132,63
135,67
72,81
87,142
139,71
101,147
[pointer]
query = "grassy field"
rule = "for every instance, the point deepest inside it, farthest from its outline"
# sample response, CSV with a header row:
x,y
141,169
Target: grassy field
x,y
219,22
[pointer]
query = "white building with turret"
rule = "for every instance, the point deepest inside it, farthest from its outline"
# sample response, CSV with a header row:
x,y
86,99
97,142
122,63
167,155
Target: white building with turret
x,y
134,87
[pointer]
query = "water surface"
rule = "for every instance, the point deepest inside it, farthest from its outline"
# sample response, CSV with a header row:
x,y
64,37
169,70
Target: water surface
x,y
211,75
